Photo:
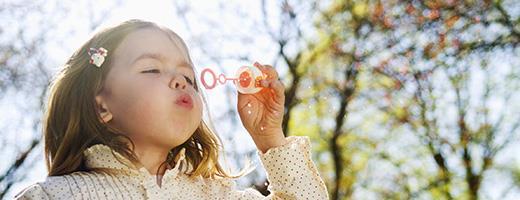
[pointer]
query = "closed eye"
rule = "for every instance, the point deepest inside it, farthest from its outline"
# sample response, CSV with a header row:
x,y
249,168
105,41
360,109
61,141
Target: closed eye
x,y
188,80
151,71
191,82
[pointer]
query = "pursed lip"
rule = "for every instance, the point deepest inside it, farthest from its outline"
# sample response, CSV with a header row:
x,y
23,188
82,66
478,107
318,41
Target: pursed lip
x,y
184,100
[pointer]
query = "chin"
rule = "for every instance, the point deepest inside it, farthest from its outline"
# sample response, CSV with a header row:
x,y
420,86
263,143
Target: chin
x,y
184,139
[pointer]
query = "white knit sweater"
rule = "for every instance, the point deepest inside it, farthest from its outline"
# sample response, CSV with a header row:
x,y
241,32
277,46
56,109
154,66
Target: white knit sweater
x,y
290,171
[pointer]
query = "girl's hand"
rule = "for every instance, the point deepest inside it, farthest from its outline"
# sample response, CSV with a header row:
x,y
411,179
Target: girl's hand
x,y
262,113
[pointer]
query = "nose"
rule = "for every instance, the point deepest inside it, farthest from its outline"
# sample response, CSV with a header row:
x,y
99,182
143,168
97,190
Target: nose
x,y
178,82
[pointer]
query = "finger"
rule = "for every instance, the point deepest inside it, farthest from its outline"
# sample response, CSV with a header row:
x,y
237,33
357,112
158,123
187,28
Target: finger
x,y
279,90
242,101
268,70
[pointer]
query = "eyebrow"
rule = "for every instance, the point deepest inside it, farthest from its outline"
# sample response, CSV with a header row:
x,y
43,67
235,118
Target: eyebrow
x,y
160,57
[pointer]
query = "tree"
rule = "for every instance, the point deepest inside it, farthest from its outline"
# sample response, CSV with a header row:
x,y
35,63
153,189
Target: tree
x,y
415,62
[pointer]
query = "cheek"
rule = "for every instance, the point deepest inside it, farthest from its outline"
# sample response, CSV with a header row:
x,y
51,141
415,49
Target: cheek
x,y
131,99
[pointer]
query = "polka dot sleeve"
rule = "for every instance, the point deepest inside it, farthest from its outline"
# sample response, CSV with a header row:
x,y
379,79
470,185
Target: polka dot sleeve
x,y
291,173
33,192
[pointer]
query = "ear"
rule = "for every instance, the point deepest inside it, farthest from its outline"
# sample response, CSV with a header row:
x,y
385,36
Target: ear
x,y
102,109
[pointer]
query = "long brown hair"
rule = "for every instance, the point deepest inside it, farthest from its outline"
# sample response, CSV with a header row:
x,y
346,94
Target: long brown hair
x,y
72,122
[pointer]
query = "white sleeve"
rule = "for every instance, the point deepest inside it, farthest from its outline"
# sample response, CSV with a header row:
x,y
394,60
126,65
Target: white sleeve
x,y
32,192
291,173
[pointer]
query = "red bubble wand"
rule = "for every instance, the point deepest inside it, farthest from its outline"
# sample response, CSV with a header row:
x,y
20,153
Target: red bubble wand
x,y
247,81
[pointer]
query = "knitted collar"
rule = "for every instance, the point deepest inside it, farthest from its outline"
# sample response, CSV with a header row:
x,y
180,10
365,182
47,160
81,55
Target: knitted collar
x,y
102,156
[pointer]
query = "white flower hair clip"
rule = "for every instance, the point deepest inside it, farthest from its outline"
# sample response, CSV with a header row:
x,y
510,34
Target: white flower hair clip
x,y
97,56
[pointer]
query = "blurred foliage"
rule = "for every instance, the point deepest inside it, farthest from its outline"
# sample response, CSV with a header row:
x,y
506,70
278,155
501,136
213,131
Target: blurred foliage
x,y
381,78
29,30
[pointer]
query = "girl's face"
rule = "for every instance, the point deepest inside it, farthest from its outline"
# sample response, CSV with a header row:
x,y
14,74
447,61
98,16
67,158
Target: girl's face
x,y
149,93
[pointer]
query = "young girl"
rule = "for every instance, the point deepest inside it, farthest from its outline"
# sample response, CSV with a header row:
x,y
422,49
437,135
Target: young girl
x,y
124,121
